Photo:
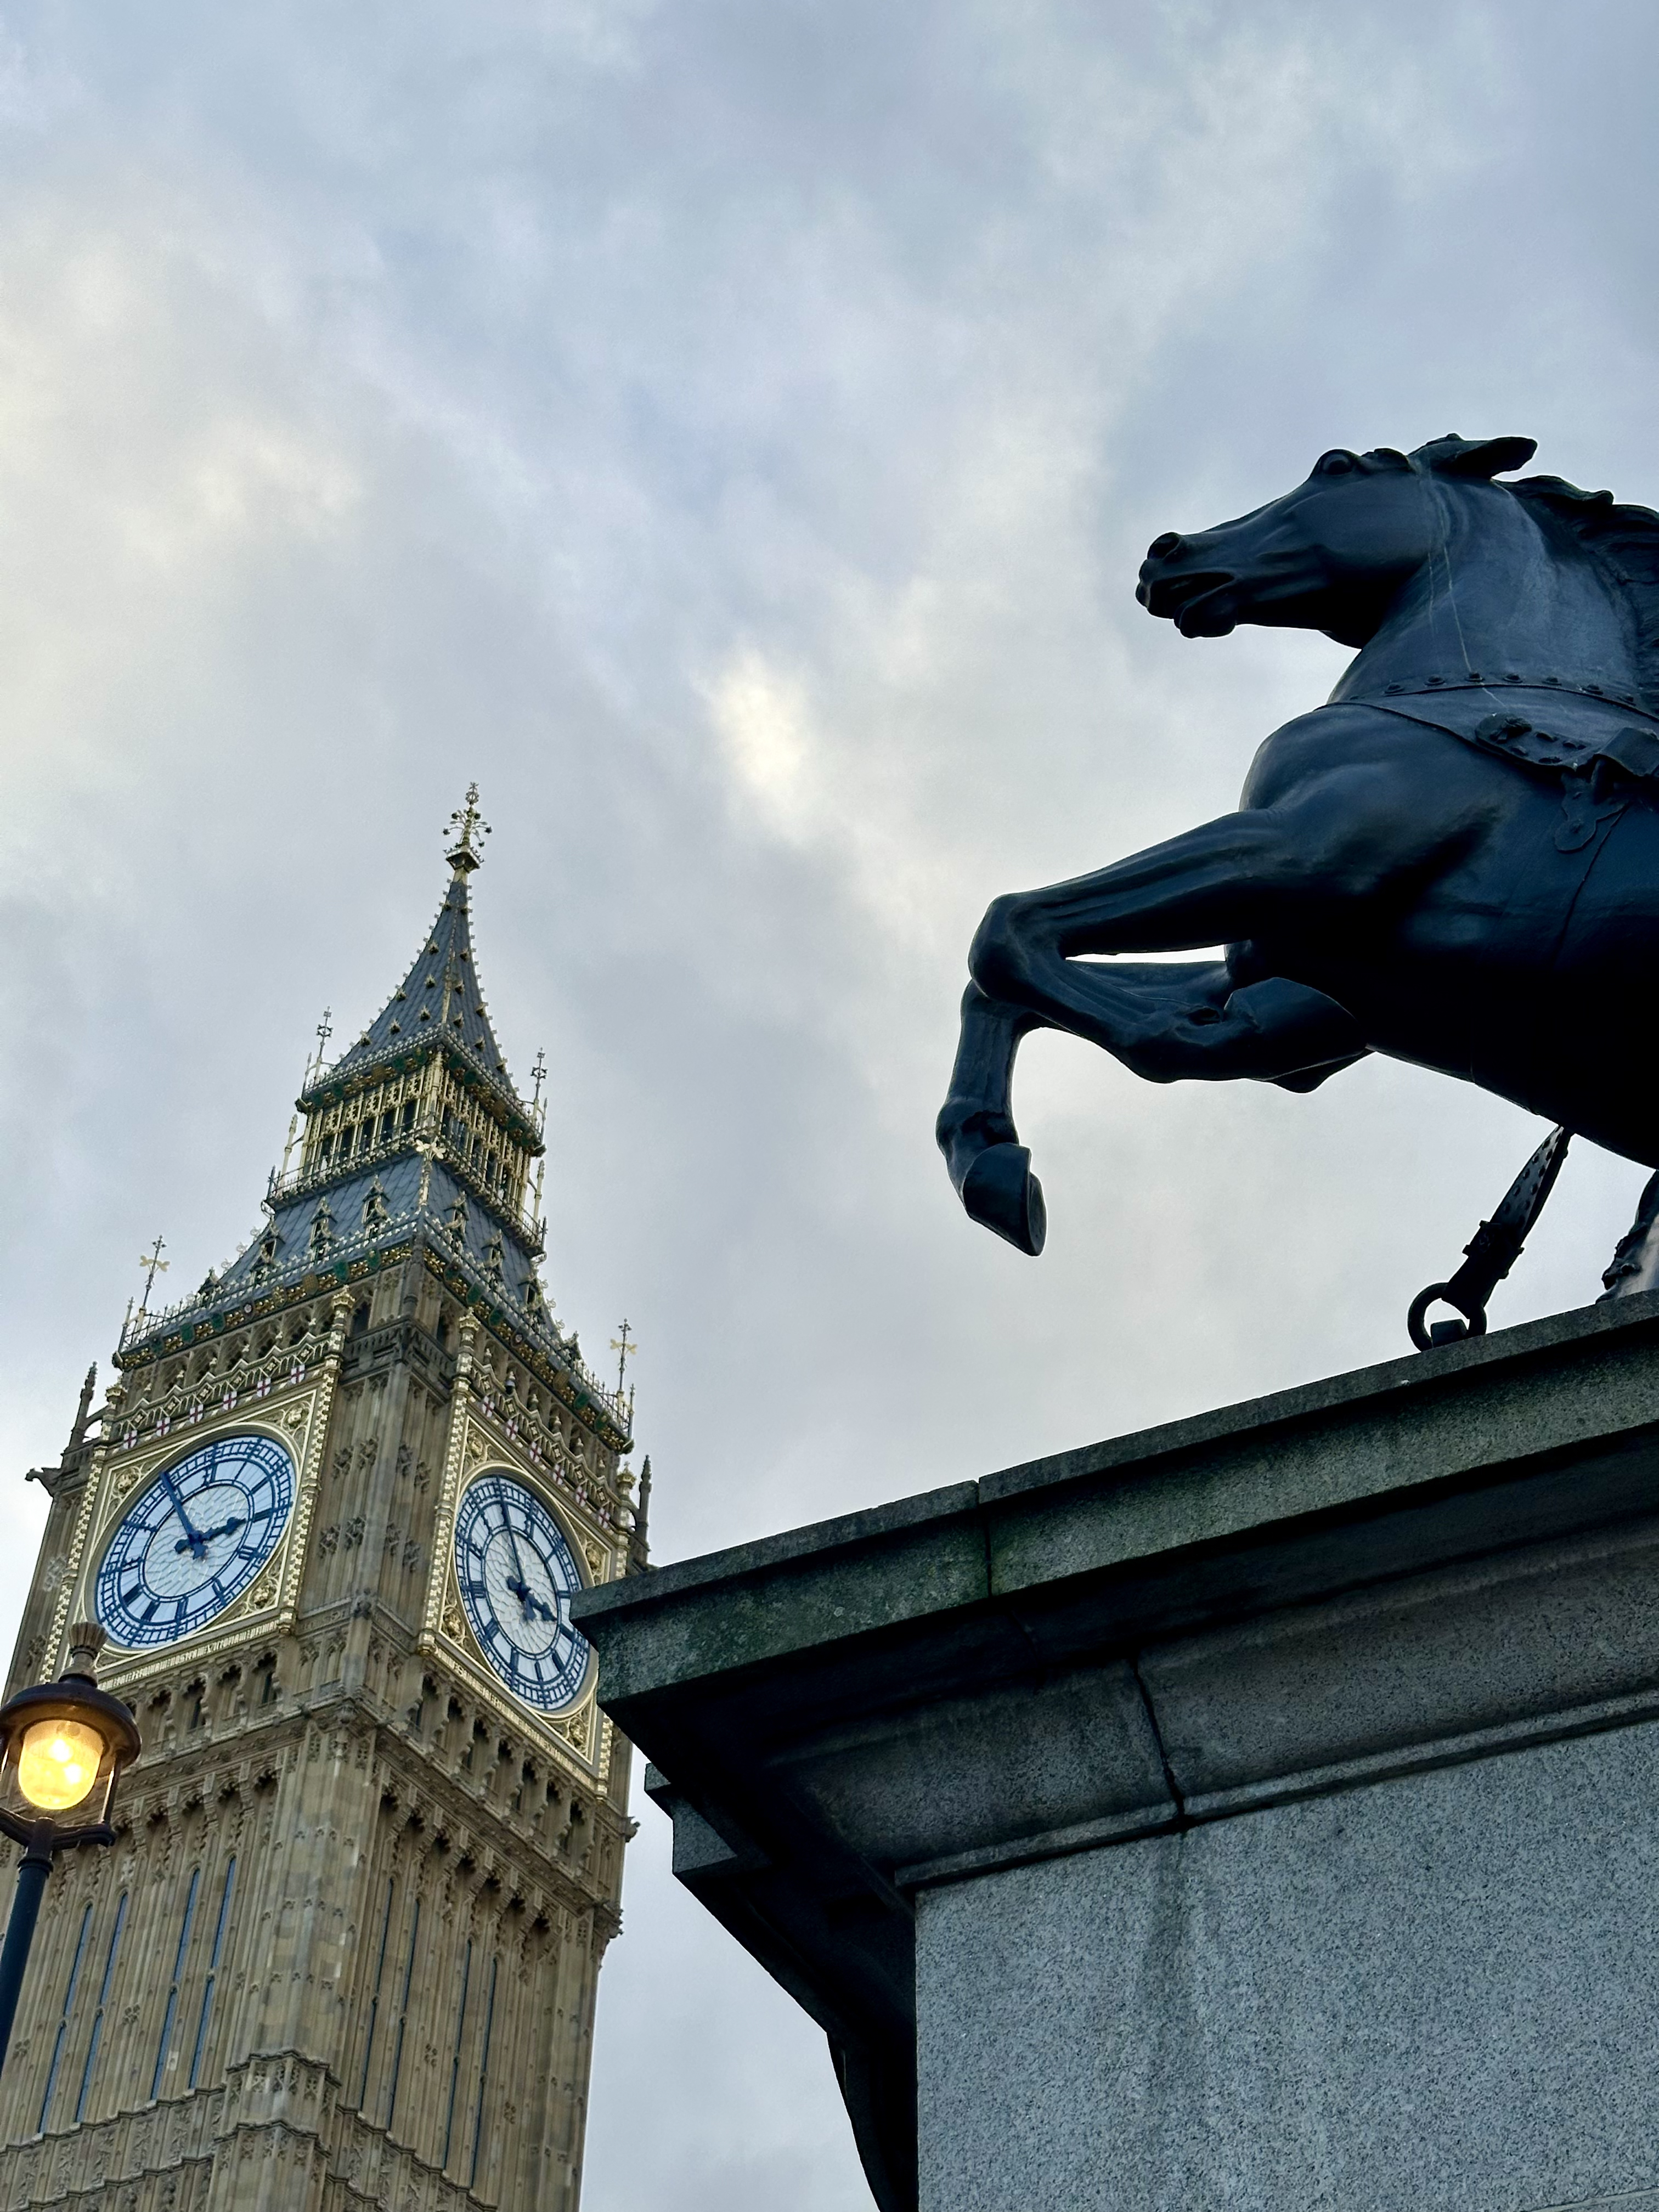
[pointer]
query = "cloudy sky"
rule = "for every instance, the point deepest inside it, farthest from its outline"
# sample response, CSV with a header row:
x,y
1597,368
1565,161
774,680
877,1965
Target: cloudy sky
x,y
728,430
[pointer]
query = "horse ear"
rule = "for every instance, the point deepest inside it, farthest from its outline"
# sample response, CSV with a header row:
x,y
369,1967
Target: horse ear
x,y
1452,456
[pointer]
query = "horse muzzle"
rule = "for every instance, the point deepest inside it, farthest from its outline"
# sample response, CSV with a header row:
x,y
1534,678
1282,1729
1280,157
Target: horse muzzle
x,y
1198,601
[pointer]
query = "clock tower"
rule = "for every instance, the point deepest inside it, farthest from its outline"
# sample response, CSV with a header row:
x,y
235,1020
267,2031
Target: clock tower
x,y
331,1513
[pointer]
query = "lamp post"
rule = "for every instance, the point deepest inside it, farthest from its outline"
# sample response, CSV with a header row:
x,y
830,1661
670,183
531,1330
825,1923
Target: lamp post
x,y
63,1746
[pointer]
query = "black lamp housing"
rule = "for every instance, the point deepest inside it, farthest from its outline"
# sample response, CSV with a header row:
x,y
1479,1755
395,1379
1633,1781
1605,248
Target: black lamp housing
x,y
75,1697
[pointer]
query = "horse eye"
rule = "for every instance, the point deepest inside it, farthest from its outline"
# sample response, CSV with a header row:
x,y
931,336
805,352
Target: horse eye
x,y
1337,464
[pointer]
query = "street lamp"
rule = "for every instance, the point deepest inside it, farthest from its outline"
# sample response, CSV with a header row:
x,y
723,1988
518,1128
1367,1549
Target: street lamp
x,y
63,1746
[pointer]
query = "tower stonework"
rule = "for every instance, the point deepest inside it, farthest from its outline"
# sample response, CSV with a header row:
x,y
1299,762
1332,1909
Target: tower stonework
x,y
343,1951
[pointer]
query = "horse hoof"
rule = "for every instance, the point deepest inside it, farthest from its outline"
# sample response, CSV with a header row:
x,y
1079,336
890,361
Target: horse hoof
x,y
1000,1191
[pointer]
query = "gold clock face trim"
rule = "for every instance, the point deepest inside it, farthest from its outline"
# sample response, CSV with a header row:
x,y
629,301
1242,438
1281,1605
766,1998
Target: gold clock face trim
x,y
196,1537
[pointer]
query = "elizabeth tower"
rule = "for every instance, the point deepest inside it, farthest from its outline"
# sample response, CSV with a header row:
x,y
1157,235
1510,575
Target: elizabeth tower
x,y
343,1951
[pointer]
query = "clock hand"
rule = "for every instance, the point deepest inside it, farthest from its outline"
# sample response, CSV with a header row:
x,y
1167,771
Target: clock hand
x,y
193,1538
225,1528
518,1589
528,1604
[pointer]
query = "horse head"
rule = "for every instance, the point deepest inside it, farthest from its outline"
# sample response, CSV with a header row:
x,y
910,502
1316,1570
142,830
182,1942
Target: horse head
x,y
1330,555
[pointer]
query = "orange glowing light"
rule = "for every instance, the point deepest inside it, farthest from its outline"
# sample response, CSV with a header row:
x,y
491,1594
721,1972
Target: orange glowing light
x,y
58,1764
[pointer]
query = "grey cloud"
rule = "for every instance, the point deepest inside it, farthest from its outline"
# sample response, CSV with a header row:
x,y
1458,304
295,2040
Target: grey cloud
x,y
730,432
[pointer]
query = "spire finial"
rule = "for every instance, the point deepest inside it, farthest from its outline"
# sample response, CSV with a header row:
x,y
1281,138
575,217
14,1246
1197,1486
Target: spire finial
x,y
153,1264
324,1031
622,1345
471,828
83,1412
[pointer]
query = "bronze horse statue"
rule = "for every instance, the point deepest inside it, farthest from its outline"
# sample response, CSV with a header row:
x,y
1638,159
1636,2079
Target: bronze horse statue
x,y
1454,861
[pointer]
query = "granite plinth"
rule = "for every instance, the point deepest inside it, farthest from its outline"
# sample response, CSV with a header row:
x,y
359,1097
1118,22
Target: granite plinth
x,y
1256,1812
1406,2000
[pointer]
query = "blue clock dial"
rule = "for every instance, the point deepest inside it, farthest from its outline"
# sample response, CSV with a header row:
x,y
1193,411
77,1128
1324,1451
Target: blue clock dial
x,y
194,1541
517,1575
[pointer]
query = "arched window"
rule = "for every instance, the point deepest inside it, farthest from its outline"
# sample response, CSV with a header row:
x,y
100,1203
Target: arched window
x,y
484,2074
374,2001
455,2063
403,2014
205,2014
63,2020
171,2013
103,2000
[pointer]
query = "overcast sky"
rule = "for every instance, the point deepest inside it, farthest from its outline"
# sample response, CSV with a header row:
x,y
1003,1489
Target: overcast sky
x,y
729,431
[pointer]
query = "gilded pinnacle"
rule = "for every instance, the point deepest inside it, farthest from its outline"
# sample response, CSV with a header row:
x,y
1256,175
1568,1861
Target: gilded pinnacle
x,y
469,828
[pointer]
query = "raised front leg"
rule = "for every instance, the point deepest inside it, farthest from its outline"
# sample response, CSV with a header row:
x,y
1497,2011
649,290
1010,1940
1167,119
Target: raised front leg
x,y
1259,872
1338,840
1169,1022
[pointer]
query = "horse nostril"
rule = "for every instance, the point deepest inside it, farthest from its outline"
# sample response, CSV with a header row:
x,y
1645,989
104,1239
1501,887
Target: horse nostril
x,y
1170,543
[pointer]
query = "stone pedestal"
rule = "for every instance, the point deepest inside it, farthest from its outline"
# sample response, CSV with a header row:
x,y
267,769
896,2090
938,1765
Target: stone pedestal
x,y
1260,1813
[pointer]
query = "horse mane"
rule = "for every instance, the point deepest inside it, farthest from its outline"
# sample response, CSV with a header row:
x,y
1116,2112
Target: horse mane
x,y
1624,540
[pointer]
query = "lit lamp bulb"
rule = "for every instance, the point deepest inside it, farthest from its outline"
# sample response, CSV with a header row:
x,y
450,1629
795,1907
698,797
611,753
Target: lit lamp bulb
x,y
58,1764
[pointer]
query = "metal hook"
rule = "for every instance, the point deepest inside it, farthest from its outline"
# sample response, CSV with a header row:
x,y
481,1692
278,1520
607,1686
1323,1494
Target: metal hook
x,y
1490,1252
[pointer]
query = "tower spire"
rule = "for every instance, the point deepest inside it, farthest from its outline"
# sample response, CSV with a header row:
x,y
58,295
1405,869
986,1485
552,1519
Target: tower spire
x,y
440,996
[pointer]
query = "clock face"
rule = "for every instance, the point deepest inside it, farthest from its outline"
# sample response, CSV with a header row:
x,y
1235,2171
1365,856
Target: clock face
x,y
194,1541
518,1575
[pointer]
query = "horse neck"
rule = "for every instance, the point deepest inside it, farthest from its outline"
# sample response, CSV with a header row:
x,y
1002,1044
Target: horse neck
x,y
1499,595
